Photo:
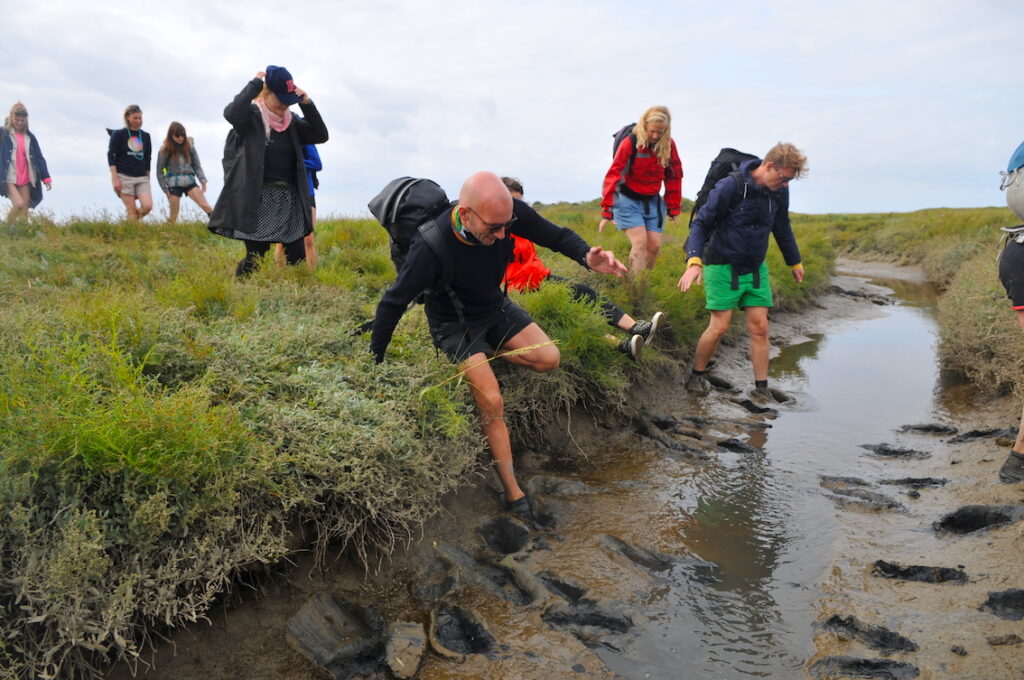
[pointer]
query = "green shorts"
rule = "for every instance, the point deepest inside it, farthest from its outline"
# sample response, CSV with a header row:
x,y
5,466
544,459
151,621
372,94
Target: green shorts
x,y
720,295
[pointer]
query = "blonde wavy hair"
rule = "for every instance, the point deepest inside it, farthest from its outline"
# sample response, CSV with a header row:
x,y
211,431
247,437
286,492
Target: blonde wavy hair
x,y
663,148
786,156
17,108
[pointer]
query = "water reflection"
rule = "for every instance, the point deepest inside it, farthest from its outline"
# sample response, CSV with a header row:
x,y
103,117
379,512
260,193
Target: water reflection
x,y
762,518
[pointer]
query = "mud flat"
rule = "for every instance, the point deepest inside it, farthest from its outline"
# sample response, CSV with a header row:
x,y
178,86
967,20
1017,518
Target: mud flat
x,y
683,538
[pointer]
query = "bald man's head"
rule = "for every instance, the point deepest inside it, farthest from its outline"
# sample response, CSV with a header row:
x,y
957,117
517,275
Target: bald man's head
x,y
485,202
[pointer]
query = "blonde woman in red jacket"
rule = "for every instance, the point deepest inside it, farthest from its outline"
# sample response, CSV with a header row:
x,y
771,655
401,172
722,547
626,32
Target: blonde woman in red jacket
x,y
631,196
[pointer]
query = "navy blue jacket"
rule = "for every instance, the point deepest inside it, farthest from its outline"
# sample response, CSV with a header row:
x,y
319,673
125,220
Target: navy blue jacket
x,y
35,159
738,218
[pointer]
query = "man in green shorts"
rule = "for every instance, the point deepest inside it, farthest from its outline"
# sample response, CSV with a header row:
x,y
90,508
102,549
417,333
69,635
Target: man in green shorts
x,y
726,250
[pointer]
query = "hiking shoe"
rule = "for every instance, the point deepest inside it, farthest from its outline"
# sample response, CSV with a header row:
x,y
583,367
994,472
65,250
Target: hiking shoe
x,y
633,346
521,509
698,383
762,394
648,329
1013,469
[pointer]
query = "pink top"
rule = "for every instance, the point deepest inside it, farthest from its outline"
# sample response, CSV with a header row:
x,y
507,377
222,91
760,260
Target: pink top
x,y
21,160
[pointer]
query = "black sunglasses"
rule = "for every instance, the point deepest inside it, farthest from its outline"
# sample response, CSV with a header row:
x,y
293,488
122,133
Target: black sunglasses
x,y
496,227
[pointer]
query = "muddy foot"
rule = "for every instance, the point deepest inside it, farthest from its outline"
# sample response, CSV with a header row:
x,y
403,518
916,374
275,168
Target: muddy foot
x,y
971,518
875,637
919,573
1006,604
836,667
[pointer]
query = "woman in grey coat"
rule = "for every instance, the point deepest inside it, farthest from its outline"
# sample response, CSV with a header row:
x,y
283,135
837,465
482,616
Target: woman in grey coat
x,y
265,199
179,172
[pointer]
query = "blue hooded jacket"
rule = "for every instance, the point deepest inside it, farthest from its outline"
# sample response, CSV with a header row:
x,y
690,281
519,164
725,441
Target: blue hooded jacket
x,y
734,225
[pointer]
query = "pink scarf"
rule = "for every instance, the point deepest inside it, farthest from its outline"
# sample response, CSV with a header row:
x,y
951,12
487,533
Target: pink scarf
x,y
272,121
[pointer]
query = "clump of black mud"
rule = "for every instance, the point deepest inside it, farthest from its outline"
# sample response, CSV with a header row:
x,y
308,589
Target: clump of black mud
x,y
875,637
837,667
919,573
1006,604
971,518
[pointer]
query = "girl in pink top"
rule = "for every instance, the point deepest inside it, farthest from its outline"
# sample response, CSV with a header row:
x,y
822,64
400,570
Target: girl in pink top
x,y
23,169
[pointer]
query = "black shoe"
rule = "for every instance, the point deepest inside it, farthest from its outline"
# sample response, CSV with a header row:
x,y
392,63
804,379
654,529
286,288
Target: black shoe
x,y
521,509
633,346
698,383
762,394
648,329
1013,469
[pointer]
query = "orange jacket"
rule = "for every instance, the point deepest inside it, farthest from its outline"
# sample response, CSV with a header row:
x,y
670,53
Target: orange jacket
x,y
526,270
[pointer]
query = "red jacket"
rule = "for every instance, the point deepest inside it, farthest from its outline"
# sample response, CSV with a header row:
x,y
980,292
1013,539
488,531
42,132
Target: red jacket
x,y
645,177
526,270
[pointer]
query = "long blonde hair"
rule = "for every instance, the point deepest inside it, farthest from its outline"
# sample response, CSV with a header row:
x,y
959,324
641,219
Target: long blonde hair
x,y
663,148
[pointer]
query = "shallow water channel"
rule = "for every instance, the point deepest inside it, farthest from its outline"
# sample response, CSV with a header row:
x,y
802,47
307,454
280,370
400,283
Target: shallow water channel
x,y
763,519
760,518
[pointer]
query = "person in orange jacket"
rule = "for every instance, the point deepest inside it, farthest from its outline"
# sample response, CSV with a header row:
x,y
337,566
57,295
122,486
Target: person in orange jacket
x,y
526,271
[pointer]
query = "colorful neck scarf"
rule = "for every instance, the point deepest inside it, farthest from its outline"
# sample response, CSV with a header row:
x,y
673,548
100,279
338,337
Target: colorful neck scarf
x,y
272,121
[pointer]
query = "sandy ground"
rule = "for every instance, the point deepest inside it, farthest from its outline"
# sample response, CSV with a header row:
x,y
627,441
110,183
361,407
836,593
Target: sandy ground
x,y
245,637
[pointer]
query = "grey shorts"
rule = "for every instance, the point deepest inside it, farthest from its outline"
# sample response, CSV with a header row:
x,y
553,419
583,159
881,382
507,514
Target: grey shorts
x,y
134,186
460,342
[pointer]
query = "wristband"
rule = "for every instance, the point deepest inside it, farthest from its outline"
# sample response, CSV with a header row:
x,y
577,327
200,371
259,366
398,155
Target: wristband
x,y
695,260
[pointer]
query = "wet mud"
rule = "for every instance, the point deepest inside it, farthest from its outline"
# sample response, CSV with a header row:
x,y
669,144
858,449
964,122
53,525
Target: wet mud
x,y
720,536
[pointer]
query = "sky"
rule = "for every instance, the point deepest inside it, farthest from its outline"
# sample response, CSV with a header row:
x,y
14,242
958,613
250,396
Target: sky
x,y
898,105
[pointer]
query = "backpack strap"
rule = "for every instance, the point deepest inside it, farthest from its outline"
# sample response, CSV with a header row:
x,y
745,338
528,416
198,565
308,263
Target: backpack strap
x,y
435,239
629,164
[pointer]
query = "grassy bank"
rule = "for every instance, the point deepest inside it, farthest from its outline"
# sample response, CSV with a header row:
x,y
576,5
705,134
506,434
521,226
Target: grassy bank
x,y
165,427
957,249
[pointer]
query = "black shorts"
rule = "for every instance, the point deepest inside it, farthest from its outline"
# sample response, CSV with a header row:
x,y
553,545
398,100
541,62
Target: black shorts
x,y
460,343
1011,273
182,191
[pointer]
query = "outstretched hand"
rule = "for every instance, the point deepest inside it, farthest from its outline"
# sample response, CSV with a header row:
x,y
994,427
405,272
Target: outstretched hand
x,y
693,274
605,262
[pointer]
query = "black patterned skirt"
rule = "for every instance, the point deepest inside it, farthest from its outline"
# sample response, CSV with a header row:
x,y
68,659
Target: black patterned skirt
x,y
279,218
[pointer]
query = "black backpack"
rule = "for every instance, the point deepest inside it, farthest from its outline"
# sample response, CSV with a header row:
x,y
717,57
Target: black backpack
x,y
407,205
617,139
727,162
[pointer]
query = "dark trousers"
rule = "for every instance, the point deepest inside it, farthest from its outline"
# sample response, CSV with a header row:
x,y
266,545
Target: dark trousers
x,y
581,291
294,253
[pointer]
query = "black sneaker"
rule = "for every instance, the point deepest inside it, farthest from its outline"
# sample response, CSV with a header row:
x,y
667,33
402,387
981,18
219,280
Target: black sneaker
x,y
698,383
648,329
1013,469
521,509
633,346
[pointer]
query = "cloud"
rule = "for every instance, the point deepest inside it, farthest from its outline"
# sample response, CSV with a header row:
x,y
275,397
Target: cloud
x,y
898,106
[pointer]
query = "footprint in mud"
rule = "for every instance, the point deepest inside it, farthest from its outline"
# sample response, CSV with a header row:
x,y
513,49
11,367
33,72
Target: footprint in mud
x,y
455,633
876,637
569,591
654,561
754,408
589,620
736,446
1006,604
337,635
919,573
505,535
542,485
971,518
916,482
506,581
890,451
840,667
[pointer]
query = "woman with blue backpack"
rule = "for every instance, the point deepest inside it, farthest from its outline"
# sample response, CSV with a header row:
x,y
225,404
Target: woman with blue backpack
x,y
645,158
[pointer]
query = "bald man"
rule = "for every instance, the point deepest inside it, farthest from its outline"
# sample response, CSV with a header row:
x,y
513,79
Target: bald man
x,y
475,231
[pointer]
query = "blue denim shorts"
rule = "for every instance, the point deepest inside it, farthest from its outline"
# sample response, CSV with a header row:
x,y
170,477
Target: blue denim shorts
x,y
630,212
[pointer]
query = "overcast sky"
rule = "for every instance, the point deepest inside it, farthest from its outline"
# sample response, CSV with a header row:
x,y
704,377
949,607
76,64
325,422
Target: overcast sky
x,y
899,105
